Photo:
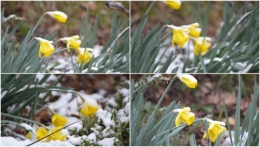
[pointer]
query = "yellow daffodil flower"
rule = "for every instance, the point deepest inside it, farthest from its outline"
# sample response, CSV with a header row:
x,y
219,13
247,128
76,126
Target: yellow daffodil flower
x,y
194,29
28,135
85,55
46,47
201,45
215,129
56,136
58,120
89,107
188,80
180,35
72,42
58,16
173,4
41,132
184,116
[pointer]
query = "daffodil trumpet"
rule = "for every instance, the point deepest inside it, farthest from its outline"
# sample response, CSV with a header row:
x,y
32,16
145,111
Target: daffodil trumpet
x,y
184,116
201,45
58,120
179,35
84,55
215,129
50,137
188,80
72,42
193,29
173,4
40,133
89,106
58,16
46,47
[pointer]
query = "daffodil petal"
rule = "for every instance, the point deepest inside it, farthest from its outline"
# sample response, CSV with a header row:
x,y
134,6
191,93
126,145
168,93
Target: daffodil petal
x,y
173,4
178,120
58,120
58,16
188,80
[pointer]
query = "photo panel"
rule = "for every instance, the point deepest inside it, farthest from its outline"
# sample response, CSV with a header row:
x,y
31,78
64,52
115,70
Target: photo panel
x,y
65,110
65,37
195,37
194,110
166,73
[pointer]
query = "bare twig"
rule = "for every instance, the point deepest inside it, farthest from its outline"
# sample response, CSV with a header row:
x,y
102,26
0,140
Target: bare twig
x,y
52,133
117,6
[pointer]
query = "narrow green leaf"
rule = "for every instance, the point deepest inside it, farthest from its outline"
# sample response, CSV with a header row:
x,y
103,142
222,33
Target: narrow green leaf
x,y
237,116
192,140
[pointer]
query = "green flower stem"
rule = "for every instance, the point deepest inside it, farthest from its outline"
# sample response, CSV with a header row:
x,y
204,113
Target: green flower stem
x,y
164,93
202,64
59,50
196,60
30,33
185,60
80,96
39,21
72,61
113,43
21,118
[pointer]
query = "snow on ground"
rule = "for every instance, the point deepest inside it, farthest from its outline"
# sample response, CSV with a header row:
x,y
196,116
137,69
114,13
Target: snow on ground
x,y
106,142
178,61
75,127
62,64
241,67
10,141
68,105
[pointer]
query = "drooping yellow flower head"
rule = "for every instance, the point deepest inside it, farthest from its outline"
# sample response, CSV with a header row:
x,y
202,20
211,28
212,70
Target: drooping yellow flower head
x,y
180,35
56,136
85,55
215,129
201,45
28,135
173,4
184,116
194,29
41,132
89,107
58,16
58,120
188,80
46,47
72,42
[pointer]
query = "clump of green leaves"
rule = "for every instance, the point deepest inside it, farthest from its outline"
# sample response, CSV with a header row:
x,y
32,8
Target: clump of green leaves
x,y
24,58
157,126
235,48
20,91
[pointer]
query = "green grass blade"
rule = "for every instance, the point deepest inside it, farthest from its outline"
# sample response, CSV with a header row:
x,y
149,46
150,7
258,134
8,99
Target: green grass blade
x,y
237,116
